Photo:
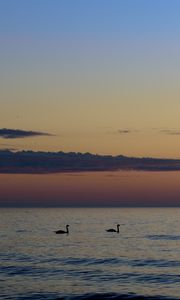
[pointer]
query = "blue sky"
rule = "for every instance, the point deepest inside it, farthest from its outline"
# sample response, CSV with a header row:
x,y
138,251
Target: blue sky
x,y
89,17
74,67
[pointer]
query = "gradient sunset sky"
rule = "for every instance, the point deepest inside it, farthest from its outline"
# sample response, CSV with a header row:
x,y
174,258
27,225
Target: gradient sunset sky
x,y
99,76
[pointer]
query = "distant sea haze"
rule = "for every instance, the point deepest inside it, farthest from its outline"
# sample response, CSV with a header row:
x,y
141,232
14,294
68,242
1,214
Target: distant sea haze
x,y
52,162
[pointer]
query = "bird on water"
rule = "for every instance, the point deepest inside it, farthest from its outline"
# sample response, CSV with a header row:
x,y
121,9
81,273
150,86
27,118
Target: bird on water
x,y
114,230
63,231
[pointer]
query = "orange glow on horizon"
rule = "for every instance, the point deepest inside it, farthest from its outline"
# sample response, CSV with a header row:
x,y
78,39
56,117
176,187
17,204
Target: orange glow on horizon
x,y
123,188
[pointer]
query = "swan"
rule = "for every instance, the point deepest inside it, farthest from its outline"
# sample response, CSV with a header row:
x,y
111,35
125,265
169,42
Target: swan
x,y
63,231
114,230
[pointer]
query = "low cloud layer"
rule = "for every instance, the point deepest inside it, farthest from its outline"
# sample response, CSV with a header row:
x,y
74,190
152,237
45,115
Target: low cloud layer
x,y
18,133
127,131
170,131
54,162
124,131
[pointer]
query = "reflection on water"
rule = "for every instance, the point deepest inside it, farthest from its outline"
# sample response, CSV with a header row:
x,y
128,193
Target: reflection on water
x,y
36,263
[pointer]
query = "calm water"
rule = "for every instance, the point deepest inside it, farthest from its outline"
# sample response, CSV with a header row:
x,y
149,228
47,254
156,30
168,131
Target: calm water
x,y
90,263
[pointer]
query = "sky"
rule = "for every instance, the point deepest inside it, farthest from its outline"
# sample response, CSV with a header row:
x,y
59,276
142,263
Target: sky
x,y
126,189
98,76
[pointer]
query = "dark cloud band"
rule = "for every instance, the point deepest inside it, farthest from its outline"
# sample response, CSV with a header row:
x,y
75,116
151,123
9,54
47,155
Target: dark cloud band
x,y
18,133
54,162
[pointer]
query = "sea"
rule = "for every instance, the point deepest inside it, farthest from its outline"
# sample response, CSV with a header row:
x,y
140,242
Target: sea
x,y
142,261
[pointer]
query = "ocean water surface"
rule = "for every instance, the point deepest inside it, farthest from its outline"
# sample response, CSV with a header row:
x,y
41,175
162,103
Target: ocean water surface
x,y
141,261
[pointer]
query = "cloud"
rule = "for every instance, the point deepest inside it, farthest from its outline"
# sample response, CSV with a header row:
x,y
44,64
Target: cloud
x,y
127,131
56,162
170,131
124,131
19,133
7,149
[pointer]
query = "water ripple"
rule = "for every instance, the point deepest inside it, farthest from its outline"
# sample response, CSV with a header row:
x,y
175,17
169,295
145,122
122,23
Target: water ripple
x,y
89,264
163,237
87,296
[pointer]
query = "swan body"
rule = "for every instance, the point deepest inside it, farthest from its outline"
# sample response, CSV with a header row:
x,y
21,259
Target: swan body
x,y
114,230
63,231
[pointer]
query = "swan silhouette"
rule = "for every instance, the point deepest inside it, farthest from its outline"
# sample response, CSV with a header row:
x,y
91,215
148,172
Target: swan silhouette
x,y
114,230
63,231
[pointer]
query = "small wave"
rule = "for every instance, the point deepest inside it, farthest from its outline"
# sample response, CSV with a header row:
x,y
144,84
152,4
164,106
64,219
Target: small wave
x,y
92,261
114,261
89,296
105,261
85,261
155,262
76,261
26,271
114,296
163,237
22,230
